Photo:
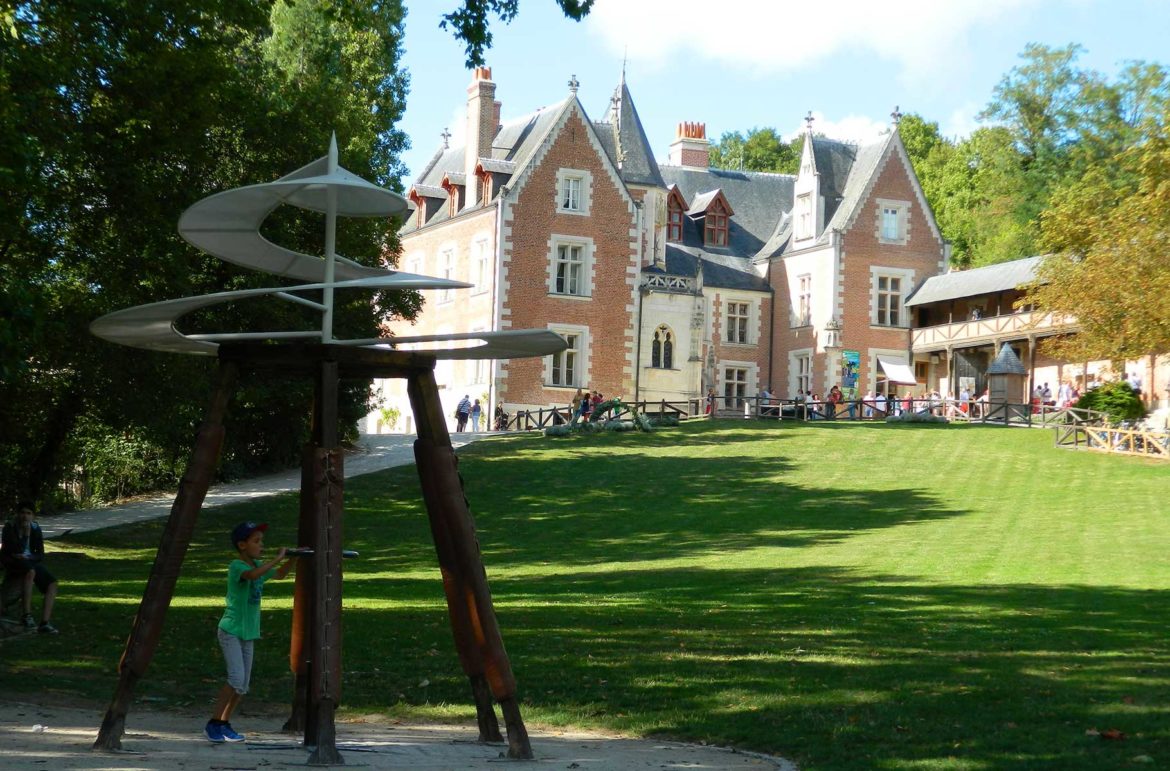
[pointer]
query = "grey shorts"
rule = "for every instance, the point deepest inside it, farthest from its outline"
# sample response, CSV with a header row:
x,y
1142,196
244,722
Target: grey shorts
x,y
238,655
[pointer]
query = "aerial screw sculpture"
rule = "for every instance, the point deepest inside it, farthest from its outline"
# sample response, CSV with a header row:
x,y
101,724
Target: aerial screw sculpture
x,y
227,225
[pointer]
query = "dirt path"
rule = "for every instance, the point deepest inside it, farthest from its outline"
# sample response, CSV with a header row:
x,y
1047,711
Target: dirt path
x,y
59,739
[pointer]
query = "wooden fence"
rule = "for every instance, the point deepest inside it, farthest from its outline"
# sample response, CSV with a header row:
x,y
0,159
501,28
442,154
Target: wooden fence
x,y
1127,441
1075,428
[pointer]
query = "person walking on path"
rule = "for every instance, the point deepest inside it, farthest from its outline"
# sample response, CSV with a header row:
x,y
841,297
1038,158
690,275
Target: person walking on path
x,y
239,628
476,414
22,553
462,413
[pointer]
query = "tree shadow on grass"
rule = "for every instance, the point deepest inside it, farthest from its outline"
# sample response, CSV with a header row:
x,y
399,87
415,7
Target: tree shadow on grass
x,y
638,505
837,669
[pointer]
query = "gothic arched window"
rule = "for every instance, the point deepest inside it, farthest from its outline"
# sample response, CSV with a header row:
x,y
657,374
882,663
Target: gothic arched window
x,y
662,348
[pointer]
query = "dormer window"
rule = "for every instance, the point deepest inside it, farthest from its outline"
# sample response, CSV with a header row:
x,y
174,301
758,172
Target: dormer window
x,y
485,183
453,201
804,226
715,225
675,207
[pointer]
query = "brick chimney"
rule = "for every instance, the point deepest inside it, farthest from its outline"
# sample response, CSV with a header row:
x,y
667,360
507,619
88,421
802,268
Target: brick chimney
x,y
482,116
690,147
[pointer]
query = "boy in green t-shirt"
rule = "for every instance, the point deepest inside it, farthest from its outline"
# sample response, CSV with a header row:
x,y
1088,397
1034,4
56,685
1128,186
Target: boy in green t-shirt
x,y
240,626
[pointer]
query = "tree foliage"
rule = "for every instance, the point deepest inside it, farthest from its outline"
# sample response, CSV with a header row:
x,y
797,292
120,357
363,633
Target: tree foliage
x,y
763,149
471,22
1109,232
114,117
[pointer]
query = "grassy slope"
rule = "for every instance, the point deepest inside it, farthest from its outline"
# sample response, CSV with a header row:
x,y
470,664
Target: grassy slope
x,y
848,596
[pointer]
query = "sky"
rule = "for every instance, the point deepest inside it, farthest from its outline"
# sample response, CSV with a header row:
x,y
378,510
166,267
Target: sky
x,y
741,64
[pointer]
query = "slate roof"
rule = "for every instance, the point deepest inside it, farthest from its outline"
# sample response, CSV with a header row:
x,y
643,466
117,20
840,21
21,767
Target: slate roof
x,y
700,202
625,140
719,270
845,171
621,135
428,191
976,281
512,147
497,166
759,200
1007,363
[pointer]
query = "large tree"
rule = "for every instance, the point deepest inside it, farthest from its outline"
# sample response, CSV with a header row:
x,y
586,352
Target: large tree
x,y
1110,234
116,116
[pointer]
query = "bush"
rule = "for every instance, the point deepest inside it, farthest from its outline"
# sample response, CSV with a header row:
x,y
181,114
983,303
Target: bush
x,y
1116,399
115,464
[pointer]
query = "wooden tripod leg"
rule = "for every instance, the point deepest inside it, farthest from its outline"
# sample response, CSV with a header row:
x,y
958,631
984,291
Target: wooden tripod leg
x,y
164,574
328,480
298,654
451,519
325,667
457,590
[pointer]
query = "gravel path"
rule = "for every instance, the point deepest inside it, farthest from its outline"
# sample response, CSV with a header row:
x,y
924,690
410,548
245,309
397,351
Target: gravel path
x,y
373,452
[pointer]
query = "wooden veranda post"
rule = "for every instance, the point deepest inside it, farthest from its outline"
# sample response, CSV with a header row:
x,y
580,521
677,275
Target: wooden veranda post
x,y
164,574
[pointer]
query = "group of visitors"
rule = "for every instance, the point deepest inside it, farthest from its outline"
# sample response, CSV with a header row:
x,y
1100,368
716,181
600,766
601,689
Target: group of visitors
x,y
468,412
1066,395
585,403
836,405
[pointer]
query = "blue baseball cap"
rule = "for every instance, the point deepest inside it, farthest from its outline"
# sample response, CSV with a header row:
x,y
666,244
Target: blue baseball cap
x,y
245,529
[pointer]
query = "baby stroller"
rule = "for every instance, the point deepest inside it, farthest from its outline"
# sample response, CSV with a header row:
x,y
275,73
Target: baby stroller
x,y
501,423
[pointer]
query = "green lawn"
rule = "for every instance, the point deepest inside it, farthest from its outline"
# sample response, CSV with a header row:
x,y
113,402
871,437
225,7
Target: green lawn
x,y
849,596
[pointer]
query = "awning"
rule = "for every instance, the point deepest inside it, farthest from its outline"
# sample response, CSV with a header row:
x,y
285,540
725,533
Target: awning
x,y
897,372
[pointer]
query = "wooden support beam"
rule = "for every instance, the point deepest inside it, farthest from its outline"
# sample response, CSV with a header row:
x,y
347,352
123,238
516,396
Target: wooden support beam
x,y
164,574
304,359
469,601
302,622
327,492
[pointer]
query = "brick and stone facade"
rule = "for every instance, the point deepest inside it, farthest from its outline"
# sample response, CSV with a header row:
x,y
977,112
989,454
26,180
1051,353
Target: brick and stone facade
x,y
668,279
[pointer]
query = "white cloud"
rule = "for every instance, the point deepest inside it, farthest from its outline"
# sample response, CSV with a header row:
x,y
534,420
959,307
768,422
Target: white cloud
x,y
861,129
771,36
961,122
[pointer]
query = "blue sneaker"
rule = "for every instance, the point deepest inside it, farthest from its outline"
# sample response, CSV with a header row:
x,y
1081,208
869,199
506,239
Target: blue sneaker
x,y
214,733
229,734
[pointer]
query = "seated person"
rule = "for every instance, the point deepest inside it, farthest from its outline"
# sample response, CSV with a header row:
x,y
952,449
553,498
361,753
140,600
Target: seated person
x,y
22,553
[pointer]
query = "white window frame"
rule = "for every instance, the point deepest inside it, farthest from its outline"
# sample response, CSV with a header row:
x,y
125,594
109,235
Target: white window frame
x,y
584,191
742,391
906,283
447,271
804,300
479,266
799,377
749,324
804,216
585,282
895,212
580,352
414,263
